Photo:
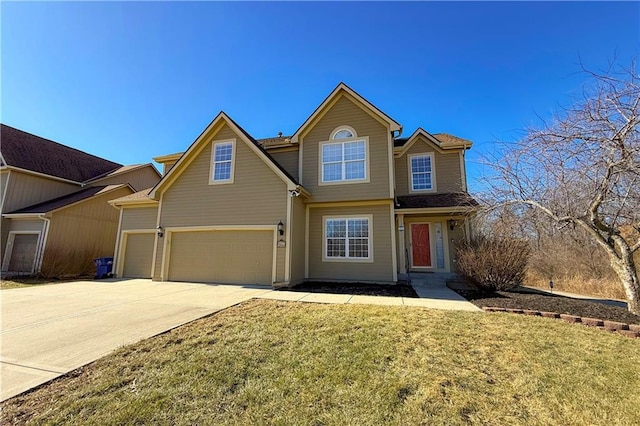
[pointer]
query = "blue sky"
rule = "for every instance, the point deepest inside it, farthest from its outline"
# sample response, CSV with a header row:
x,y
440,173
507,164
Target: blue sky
x,y
131,80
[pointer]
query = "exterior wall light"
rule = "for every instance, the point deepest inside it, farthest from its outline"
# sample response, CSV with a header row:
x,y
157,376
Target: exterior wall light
x,y
452,224
159,231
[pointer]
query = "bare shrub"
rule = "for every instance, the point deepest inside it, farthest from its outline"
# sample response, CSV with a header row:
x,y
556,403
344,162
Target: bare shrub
x,y
494,263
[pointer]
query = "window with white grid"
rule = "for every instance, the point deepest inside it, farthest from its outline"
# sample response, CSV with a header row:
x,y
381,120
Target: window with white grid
x,y
347,238
421,172
344,161
222,162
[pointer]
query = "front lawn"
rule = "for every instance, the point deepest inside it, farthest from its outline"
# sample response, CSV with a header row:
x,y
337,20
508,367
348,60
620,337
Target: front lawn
x,y
272,362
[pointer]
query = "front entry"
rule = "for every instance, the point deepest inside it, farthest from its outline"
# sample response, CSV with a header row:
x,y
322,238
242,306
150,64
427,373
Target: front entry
x,y
420,246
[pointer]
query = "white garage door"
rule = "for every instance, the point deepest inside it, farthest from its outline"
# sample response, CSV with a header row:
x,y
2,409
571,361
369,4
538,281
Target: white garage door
x,y
23,253
228,257
137,255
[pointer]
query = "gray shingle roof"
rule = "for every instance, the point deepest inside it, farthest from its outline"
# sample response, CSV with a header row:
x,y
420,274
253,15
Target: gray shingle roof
x,y
450,199
66,200
26,151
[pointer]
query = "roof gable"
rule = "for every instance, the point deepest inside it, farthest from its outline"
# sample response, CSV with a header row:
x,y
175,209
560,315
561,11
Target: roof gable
x,y
30,152
344,90
440,141
203,139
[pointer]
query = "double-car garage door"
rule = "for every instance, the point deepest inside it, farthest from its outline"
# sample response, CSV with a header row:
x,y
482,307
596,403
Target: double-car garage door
x,y
230,257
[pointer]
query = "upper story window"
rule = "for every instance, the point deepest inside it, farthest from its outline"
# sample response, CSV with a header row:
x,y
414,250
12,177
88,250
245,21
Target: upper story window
x,y
422,173
344,158
222,162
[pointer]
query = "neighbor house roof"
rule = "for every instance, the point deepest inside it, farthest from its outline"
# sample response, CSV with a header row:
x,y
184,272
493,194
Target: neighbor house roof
x,y
140,197
66,200
30,152
451,199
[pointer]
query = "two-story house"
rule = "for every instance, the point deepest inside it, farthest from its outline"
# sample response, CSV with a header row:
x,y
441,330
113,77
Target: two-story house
x,y
54,204
344,198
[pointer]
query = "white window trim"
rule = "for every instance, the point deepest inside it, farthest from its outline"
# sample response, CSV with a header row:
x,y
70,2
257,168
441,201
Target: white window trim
x,y
326,258
433,173
212,163
366,179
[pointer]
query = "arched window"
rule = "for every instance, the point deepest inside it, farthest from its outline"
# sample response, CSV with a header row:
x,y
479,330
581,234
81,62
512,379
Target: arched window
x,y
343,132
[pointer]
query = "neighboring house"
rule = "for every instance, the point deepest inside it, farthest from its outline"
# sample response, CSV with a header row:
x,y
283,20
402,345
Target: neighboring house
x,y
53,201
342,199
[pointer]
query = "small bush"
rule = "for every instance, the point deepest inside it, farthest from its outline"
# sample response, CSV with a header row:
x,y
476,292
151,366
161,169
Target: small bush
x,y
494,263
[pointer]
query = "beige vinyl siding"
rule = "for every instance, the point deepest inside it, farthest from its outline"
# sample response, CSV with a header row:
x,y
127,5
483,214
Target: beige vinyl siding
x,y
226,257
25,190
455,238
447,169
288,159
139,179
4,180
139,218
381,270
138,255
88,228
257,195
346,112
297,228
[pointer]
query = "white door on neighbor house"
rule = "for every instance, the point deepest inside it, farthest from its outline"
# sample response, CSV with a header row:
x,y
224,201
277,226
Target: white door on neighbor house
x,y
23,253
420,245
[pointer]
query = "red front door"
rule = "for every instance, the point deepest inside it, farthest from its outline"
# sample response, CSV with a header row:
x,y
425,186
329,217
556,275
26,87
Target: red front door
x,y
420,245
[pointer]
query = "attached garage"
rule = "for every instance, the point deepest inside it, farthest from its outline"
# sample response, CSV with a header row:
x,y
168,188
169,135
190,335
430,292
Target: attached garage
x,y
138,255
221,256
23,252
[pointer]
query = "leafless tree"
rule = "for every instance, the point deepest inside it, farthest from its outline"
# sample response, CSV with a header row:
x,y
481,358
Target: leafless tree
x,y
582,169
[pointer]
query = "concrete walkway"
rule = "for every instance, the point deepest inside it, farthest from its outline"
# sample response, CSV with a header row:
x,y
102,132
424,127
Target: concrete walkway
x,y
50,330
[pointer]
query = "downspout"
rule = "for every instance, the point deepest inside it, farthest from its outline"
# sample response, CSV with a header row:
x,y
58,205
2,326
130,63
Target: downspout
x,y
40,254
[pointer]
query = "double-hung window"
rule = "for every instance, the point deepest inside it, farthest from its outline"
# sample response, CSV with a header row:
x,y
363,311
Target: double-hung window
x,y
347,238
222,162
421,166
344,159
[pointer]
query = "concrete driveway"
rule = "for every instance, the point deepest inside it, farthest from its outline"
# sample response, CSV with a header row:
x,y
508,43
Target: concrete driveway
x,y
50,330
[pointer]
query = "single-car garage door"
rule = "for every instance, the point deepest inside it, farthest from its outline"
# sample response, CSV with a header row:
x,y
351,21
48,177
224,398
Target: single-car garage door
x,y
229,257
23,253
137,255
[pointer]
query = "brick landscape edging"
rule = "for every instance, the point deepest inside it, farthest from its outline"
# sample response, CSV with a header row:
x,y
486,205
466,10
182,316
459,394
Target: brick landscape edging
x,y
628,330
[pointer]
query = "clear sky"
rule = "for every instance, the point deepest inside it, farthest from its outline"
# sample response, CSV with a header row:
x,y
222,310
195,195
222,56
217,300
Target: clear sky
x,y
132,80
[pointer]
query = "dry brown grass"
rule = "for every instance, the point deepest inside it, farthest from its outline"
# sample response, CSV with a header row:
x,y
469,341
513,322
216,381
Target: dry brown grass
x,y
609,288
60,262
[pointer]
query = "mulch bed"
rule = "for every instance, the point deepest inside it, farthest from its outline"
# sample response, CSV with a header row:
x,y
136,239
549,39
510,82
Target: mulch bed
x,y
525,298
395,290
